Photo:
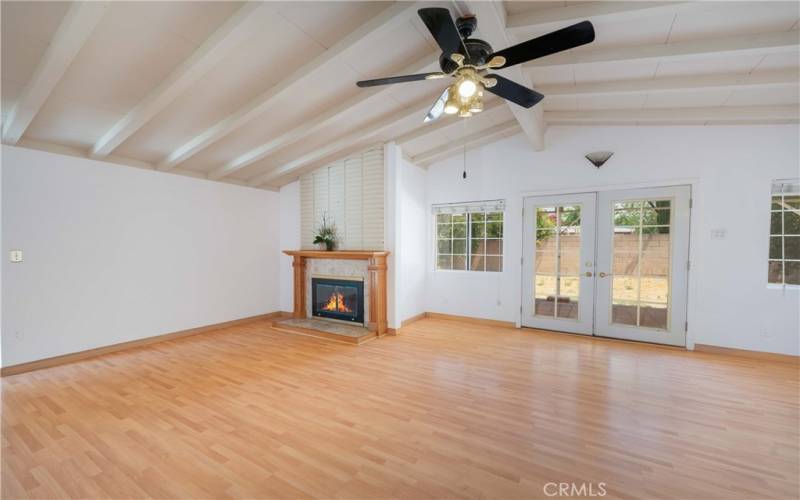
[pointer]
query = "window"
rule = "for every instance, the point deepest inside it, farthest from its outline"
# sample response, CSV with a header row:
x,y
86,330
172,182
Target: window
x,y
469,236
784,233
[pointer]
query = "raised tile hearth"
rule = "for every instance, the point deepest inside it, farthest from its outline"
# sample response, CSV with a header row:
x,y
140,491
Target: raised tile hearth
x,y
326,329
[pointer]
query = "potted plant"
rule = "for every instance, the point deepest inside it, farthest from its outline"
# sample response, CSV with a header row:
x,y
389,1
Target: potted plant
x,y
326,234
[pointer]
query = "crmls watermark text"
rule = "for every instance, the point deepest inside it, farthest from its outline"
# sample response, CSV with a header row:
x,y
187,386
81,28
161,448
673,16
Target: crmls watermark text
x,y
575,489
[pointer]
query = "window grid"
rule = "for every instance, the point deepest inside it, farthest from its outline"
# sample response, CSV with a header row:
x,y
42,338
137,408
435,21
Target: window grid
x,y
470,241
784,239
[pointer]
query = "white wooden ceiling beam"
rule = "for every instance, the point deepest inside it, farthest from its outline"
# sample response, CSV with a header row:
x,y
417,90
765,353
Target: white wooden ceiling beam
x,y
445,122
492,28
471,141
242,24
764,81
558,17
387,19
742,45
425,64
698,115
361,135
76,27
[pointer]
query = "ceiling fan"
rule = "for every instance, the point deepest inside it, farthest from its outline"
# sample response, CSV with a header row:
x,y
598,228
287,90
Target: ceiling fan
x,y
468,60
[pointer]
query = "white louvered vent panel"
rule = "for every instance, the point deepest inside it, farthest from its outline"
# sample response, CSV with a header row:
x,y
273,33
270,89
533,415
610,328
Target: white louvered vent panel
x,y
336,184
353,205
373,192
306,211
351,193
320,196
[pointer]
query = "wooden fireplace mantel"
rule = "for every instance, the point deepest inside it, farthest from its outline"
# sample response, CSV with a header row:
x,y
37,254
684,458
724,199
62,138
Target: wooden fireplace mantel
x,y
377,281
338,254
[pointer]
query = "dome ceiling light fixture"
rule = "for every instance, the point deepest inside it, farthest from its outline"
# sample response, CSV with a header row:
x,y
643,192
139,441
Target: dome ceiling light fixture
x,y
469,60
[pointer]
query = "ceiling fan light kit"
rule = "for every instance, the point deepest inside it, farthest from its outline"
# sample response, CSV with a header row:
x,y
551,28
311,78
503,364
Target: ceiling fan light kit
x,y
451,107
476,107
469,60
467,87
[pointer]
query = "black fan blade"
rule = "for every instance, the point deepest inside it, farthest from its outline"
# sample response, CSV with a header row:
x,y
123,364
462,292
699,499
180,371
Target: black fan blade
x,y
399,79
514,92
443,29
557,41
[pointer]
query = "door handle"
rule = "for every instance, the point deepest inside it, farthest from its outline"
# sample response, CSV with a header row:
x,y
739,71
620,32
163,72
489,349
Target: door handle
x,y
588,274
602,275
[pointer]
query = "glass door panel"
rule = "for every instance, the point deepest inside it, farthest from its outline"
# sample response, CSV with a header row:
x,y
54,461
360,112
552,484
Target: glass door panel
x,y
558,262
640,263
643,242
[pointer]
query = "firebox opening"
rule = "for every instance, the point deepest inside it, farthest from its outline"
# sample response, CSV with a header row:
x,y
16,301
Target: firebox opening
x,y
340,299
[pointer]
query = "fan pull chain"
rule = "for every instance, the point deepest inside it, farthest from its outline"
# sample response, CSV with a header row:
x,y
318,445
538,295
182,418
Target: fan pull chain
x,y
464,174
464,128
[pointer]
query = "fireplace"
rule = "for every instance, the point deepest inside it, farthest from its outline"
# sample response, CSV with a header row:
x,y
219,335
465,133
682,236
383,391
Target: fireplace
x,y
341,299
373,281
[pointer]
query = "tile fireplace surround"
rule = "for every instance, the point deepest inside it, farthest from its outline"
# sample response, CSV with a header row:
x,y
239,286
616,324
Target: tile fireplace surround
x,y
325,264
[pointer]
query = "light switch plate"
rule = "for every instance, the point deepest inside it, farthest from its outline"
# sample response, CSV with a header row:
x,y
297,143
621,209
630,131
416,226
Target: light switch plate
x,y
15,256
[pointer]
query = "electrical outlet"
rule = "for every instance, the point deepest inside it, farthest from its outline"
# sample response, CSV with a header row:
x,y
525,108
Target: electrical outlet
x,y
18,335
15,256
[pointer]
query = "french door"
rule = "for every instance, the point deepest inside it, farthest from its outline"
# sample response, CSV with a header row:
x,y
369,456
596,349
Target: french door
x,y
558,262
612,264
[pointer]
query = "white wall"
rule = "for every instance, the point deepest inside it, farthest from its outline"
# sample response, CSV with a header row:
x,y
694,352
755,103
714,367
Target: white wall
x,y
411,243
731,168
392,161
113,254
289,240
1,267
405,236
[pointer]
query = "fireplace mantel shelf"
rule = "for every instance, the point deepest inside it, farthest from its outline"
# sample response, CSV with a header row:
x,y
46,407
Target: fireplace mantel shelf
x,y
376,267
337,254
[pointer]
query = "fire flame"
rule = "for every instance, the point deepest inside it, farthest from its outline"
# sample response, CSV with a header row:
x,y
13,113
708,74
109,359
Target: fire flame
x,y
336,304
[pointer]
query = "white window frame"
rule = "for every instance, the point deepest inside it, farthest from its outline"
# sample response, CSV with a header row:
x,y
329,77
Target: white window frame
x,y
468,208
781,187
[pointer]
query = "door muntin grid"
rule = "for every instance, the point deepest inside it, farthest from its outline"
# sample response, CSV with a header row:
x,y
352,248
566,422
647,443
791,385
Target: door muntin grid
x,y
641,263
557,263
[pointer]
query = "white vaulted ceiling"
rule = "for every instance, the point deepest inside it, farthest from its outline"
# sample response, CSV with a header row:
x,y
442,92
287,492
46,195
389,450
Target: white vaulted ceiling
x,y
256,93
